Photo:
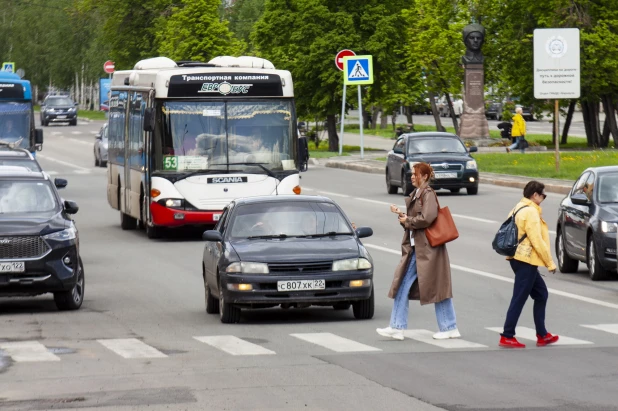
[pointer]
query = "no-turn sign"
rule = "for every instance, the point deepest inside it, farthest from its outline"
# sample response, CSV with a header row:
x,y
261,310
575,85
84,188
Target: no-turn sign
x,y
339,58
109,66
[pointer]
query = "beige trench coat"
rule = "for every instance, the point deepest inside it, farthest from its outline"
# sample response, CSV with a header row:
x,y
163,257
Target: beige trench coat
x,y
432,264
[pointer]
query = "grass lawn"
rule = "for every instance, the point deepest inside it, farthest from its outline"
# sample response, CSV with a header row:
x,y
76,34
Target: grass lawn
x,y
322,150
542,164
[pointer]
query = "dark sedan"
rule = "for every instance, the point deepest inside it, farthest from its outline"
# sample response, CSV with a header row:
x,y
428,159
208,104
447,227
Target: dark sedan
x,y
292,251
453,166
587,223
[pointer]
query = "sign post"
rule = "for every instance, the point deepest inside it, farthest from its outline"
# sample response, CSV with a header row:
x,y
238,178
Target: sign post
x,y
358,70
339,63
556,70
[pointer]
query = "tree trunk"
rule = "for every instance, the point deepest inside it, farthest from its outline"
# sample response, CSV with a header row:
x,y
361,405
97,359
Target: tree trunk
x,y
591,123
333,139
365,116
452,111
383,119
375,111
567,122
610,118
409,114
394,119
435,112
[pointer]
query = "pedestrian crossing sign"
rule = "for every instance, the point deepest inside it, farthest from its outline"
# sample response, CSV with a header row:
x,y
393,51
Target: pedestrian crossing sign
x,y
358,70
8,66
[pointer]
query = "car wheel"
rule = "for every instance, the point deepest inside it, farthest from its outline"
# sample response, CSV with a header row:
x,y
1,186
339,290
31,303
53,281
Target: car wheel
x,y
363,310
595,270
97,163
127,222
212,304
103,163
228,313
153,232
472,190
565,263
455,190
73,298
406,185
391,189
342,306
74,122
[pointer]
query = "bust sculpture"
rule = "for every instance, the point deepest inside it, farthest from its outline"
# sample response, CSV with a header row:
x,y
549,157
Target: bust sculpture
x,y
473,38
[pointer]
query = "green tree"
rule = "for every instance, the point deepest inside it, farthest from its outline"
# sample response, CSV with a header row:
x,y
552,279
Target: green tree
x,y
242,16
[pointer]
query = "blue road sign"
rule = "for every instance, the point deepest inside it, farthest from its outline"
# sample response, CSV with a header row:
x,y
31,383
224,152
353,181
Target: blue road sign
x,y
358,70
8,66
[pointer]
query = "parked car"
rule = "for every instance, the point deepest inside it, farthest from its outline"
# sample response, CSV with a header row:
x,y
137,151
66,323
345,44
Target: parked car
x,y
587,224
18,157
453,166
58,109
100,147
293,251
494,110
39,242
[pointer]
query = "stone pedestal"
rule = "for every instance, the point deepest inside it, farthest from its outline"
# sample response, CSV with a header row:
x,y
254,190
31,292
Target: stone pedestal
x,y
473,120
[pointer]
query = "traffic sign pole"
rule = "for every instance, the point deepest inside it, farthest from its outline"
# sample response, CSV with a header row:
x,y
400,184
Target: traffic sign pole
x,y
360,120
556,131
342,118
339,62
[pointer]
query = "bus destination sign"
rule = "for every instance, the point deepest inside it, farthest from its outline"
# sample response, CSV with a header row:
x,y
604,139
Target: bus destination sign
x,y
11,90
225,85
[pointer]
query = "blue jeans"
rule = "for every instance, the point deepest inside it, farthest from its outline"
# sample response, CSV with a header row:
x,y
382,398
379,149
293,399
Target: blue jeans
x,y
445,311
516,143
528,282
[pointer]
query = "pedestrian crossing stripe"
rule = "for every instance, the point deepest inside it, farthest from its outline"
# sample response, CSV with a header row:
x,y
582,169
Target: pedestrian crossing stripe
x,y
131,348
426,336
609,328
27,351
234,345
334,342
530,334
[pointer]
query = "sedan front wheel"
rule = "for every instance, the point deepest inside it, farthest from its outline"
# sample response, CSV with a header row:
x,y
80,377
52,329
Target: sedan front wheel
x,y
595,269
228,313
363,310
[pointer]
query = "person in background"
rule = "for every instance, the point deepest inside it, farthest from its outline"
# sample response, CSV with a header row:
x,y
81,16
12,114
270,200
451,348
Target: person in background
x,y
518,132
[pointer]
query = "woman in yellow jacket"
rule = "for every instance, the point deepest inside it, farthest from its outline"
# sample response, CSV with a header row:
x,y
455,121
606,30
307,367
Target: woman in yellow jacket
x,y
518,132
533,251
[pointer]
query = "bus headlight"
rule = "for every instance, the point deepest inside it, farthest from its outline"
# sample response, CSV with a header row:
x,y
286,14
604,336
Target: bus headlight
x,y
172,203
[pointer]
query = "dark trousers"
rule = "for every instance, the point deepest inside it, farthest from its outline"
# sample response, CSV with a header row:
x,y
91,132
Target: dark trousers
x,y
528,282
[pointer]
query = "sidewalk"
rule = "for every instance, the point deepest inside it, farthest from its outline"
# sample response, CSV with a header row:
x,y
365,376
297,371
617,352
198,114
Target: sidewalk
x,y
369,165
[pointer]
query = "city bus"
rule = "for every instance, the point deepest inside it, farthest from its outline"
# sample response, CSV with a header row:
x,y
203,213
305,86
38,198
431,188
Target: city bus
x,y
17,114
186,138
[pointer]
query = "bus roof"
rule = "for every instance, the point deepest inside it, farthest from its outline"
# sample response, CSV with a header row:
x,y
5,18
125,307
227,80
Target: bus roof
x,y
227,76
9,83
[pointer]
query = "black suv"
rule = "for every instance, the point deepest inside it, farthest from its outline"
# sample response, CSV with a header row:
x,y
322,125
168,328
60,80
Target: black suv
x,y
59,109
39,243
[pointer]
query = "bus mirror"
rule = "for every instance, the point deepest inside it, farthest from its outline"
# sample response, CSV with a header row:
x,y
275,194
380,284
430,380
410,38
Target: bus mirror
x,y
149,117
38,136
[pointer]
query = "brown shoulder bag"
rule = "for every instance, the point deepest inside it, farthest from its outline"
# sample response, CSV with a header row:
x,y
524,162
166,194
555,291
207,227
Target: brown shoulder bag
x,y
443,229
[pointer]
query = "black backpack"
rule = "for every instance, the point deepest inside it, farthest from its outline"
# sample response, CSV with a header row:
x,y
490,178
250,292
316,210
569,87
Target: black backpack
x,y
506,239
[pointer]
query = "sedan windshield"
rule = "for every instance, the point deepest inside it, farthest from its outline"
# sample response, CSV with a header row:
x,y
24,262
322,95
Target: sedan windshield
x,y
288,219
213,135
435,145
26,197
608,188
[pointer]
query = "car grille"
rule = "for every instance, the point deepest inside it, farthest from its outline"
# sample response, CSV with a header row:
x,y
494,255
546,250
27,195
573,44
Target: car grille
x,y
16,247
300,268
437,167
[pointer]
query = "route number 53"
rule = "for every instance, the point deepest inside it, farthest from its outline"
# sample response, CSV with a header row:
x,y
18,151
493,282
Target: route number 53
x,y
170,163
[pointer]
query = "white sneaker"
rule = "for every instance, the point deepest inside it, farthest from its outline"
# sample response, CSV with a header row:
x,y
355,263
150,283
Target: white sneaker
x,y
390,333
445,335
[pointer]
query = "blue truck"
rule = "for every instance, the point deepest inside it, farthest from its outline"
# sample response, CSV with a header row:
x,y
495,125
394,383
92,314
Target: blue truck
x,y
17,114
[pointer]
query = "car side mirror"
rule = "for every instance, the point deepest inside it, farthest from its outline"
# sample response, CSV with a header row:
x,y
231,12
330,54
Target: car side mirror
x,y
212,235
60,183
70,207
473,149
98,137
76,104
149,119
363,232
397,151
580,199
38,136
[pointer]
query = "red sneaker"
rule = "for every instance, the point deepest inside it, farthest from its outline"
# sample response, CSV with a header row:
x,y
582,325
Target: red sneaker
x,y
511,343
548,339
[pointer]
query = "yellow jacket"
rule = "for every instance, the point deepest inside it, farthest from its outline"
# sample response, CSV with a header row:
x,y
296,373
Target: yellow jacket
x,y
519,126
535,247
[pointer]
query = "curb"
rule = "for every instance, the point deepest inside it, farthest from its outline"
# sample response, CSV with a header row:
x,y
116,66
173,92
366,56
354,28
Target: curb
x,y
549,187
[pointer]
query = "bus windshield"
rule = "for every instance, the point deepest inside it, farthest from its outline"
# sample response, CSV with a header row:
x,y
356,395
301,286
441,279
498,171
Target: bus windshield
x,y
15,123
226,135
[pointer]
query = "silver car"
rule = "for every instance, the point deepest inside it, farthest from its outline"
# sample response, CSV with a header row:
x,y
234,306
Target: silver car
x,y
100,147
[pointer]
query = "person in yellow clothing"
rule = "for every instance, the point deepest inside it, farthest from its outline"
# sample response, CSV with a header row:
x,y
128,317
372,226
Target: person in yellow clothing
x,y
518,132
532,252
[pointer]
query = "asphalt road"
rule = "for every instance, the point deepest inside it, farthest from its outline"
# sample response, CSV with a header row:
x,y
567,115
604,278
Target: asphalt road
x,y
137,341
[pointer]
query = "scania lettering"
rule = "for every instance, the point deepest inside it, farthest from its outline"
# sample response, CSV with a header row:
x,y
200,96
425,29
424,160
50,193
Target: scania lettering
x,y
186,138
17,114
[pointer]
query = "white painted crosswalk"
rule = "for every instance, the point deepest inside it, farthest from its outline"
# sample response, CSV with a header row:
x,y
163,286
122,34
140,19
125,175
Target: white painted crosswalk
x,y
135,349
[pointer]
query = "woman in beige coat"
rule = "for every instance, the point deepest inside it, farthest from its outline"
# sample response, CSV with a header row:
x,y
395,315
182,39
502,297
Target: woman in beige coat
x,y
424,272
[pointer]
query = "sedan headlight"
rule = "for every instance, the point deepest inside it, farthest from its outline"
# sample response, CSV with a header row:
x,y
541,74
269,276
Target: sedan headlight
x,y
64,235
247,268
471,165
609,227
71,110
351,264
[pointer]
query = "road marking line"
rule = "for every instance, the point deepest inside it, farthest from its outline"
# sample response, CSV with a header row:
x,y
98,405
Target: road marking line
x,y
54,160
234,345
55,133
308,189
530,334
76,133
334,342
609,328
482,220
372,201
509,280
28,351
333,194
131,348
426,336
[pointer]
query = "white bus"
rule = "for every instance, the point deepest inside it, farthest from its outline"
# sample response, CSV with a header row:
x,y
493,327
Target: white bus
x,y
186,138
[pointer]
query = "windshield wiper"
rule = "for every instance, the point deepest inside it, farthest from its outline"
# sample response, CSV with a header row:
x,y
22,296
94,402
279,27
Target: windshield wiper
x,y
260,165
329,234
198,172
266,237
